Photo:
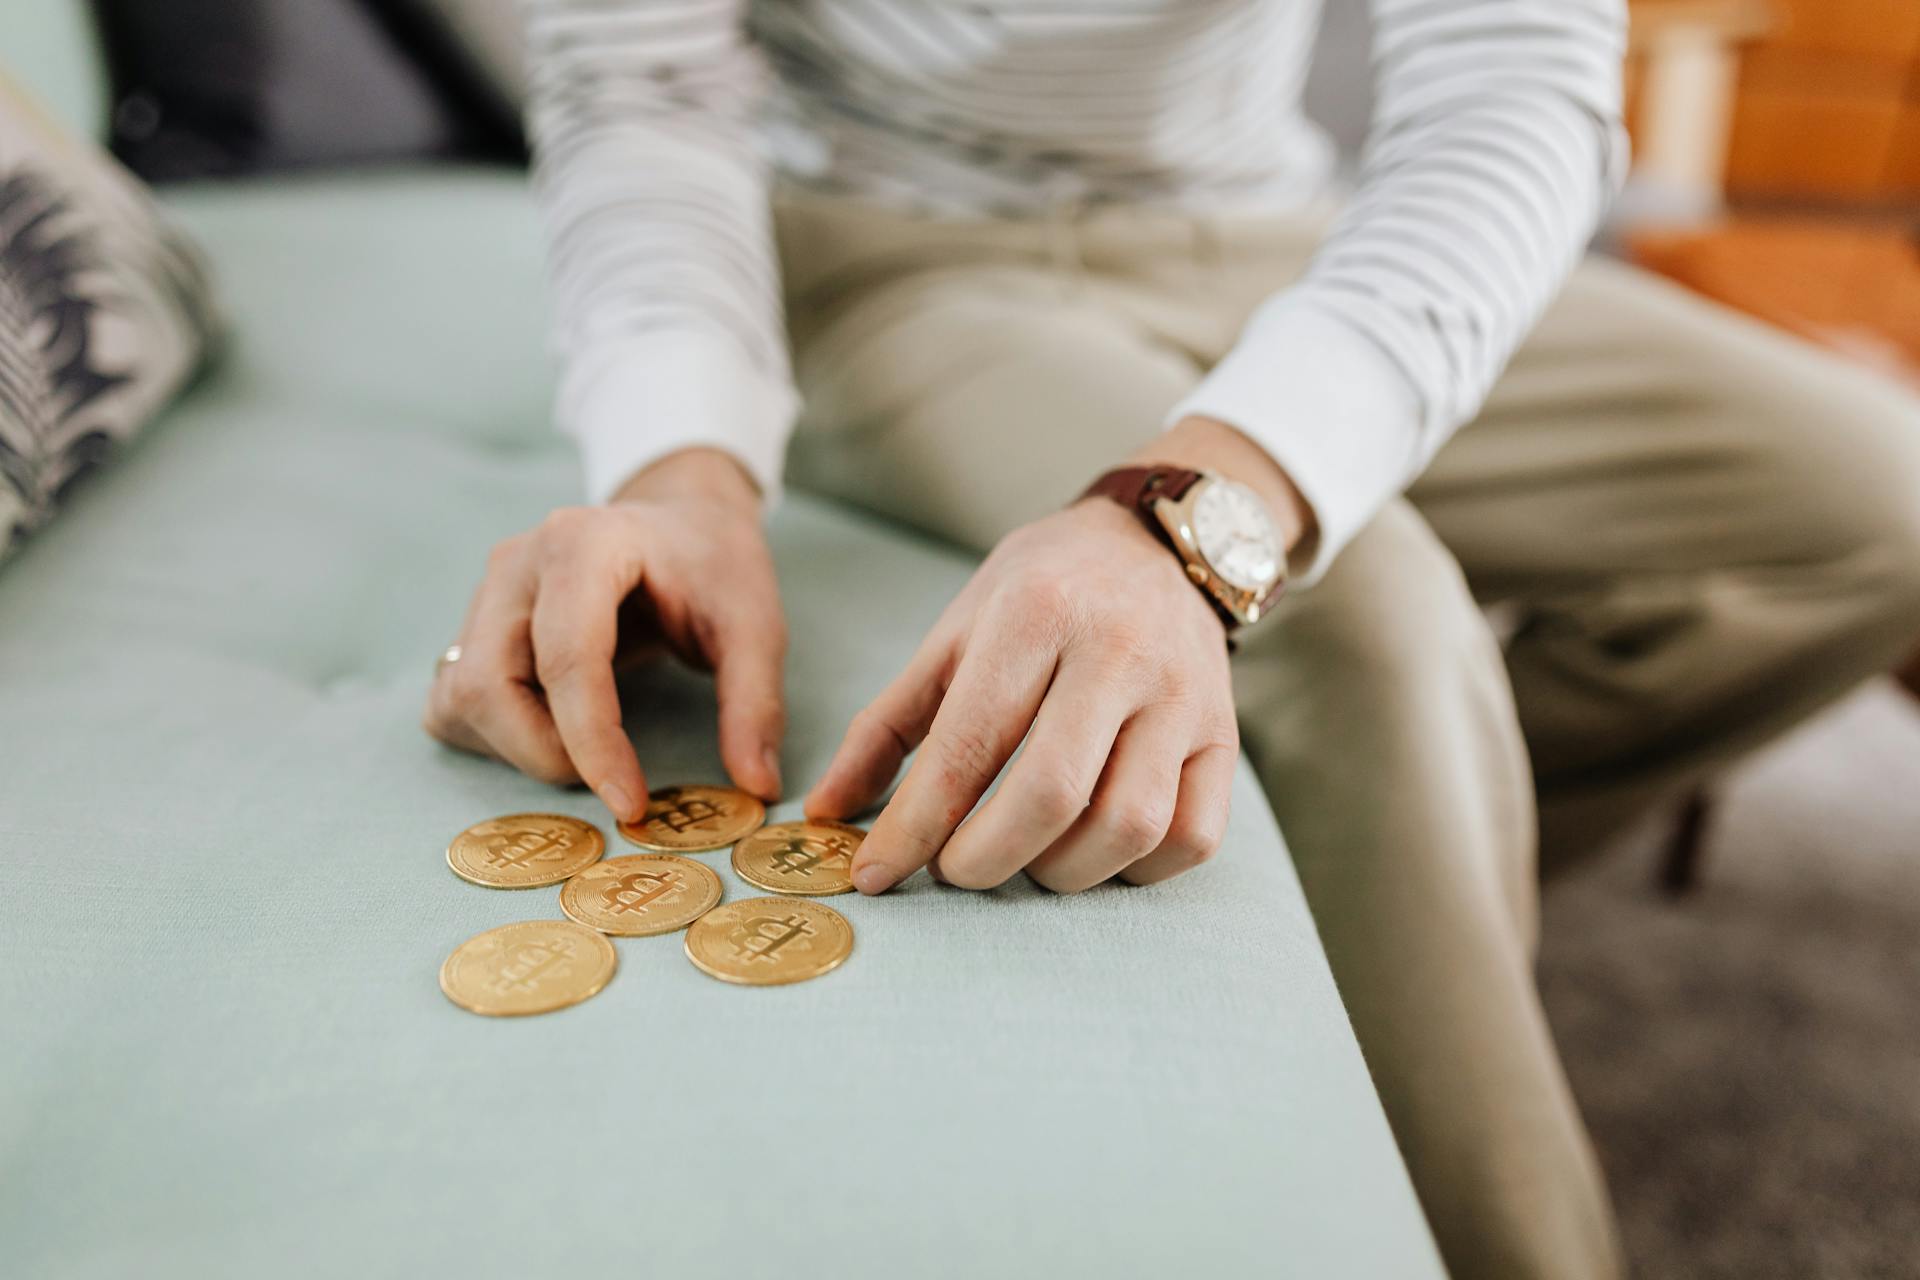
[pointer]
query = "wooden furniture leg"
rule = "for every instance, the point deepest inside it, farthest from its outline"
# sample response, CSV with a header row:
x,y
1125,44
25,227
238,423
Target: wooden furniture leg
x,y
1686,849
1680,866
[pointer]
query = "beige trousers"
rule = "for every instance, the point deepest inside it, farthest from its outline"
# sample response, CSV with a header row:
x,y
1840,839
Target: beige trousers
x,y
1707,531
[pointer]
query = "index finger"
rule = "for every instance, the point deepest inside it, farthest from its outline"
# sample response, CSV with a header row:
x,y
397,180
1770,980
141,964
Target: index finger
x,y
575,629
986,712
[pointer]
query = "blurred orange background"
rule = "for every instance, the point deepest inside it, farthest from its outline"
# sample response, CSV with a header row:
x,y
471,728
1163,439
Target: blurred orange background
x,y
1798,123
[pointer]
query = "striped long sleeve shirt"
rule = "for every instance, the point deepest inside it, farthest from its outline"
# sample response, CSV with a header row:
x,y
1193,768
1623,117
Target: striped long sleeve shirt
x,y
659,126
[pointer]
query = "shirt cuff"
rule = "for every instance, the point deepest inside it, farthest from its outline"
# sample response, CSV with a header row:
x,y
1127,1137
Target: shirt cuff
x,y
630,402
1326,403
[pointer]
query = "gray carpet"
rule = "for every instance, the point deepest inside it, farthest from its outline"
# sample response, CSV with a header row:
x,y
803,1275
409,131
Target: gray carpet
x,y
1749,1057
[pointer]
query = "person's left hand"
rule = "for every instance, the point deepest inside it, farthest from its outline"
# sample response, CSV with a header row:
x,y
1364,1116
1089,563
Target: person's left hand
x,y
1084,630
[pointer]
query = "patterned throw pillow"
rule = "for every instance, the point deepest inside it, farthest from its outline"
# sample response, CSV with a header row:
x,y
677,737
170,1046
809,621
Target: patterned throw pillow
x,y
104,312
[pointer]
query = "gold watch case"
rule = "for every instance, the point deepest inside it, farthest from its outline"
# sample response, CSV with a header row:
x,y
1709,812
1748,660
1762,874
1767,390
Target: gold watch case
x,y
1244,605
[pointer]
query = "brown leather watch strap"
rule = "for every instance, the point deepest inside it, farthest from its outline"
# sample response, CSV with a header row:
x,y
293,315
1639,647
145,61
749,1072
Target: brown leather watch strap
x,y
1136,487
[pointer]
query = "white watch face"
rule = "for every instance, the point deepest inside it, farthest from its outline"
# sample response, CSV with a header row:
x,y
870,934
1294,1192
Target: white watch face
x,y
1231,528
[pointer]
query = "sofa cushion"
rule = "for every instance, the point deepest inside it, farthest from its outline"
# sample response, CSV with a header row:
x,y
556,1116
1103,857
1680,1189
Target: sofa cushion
x,y
226,899
104,312
51,48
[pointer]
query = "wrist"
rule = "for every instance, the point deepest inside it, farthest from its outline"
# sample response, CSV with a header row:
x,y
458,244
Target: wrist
x,y
1206,444
699,474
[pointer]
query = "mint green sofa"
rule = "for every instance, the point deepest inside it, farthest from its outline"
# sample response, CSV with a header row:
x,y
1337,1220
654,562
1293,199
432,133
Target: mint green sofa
x,y
223,901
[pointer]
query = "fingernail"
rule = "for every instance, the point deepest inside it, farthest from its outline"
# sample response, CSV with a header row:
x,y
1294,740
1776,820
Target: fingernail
x,y
771,758
872,878
615,797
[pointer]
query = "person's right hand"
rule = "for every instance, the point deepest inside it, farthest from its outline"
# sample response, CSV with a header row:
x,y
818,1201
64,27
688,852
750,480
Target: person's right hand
x,y
678,559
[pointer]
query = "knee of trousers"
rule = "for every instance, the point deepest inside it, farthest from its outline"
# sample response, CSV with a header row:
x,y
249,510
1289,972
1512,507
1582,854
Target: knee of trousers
x,y
1884,515
1377,710
1842,449
1391,634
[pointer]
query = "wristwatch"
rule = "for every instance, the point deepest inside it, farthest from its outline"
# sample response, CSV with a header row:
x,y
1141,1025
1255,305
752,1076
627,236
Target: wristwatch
x,y
1219,528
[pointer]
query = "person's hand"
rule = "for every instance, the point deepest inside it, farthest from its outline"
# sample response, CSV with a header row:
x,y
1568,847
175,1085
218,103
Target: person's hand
x,y
677,559
1084,630
1082,637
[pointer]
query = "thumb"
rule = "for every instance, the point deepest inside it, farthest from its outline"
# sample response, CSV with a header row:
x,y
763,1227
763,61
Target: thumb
x,y
882,735
748,672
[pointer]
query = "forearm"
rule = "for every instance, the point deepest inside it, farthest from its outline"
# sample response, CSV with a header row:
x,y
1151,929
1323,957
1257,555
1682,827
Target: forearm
x,y
664,281
1494,150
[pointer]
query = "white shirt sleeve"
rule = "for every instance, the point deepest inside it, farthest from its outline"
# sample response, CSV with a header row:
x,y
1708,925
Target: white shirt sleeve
x,y
662,268
1495,147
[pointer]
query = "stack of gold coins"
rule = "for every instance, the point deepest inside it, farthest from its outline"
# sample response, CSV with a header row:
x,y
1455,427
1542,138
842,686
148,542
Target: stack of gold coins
x,y
538,966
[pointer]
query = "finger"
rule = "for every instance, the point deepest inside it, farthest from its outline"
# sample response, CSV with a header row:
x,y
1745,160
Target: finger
x,y
1199,820
574,632
515,726
1048,785
996,690
482,703
884,733
888,729
751,650
1131,811
452,686
451,729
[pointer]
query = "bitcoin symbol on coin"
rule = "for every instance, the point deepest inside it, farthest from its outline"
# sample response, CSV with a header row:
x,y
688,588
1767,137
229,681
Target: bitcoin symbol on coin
x,y
810,859
524,848
529,962
800,855
688,814
535,966
768,942
762,936
641,894
634,892
694,818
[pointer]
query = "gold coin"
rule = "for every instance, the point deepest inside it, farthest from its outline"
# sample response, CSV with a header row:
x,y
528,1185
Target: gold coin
x,y
813,859
694,819
767,942
641,894
533,967
525,850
